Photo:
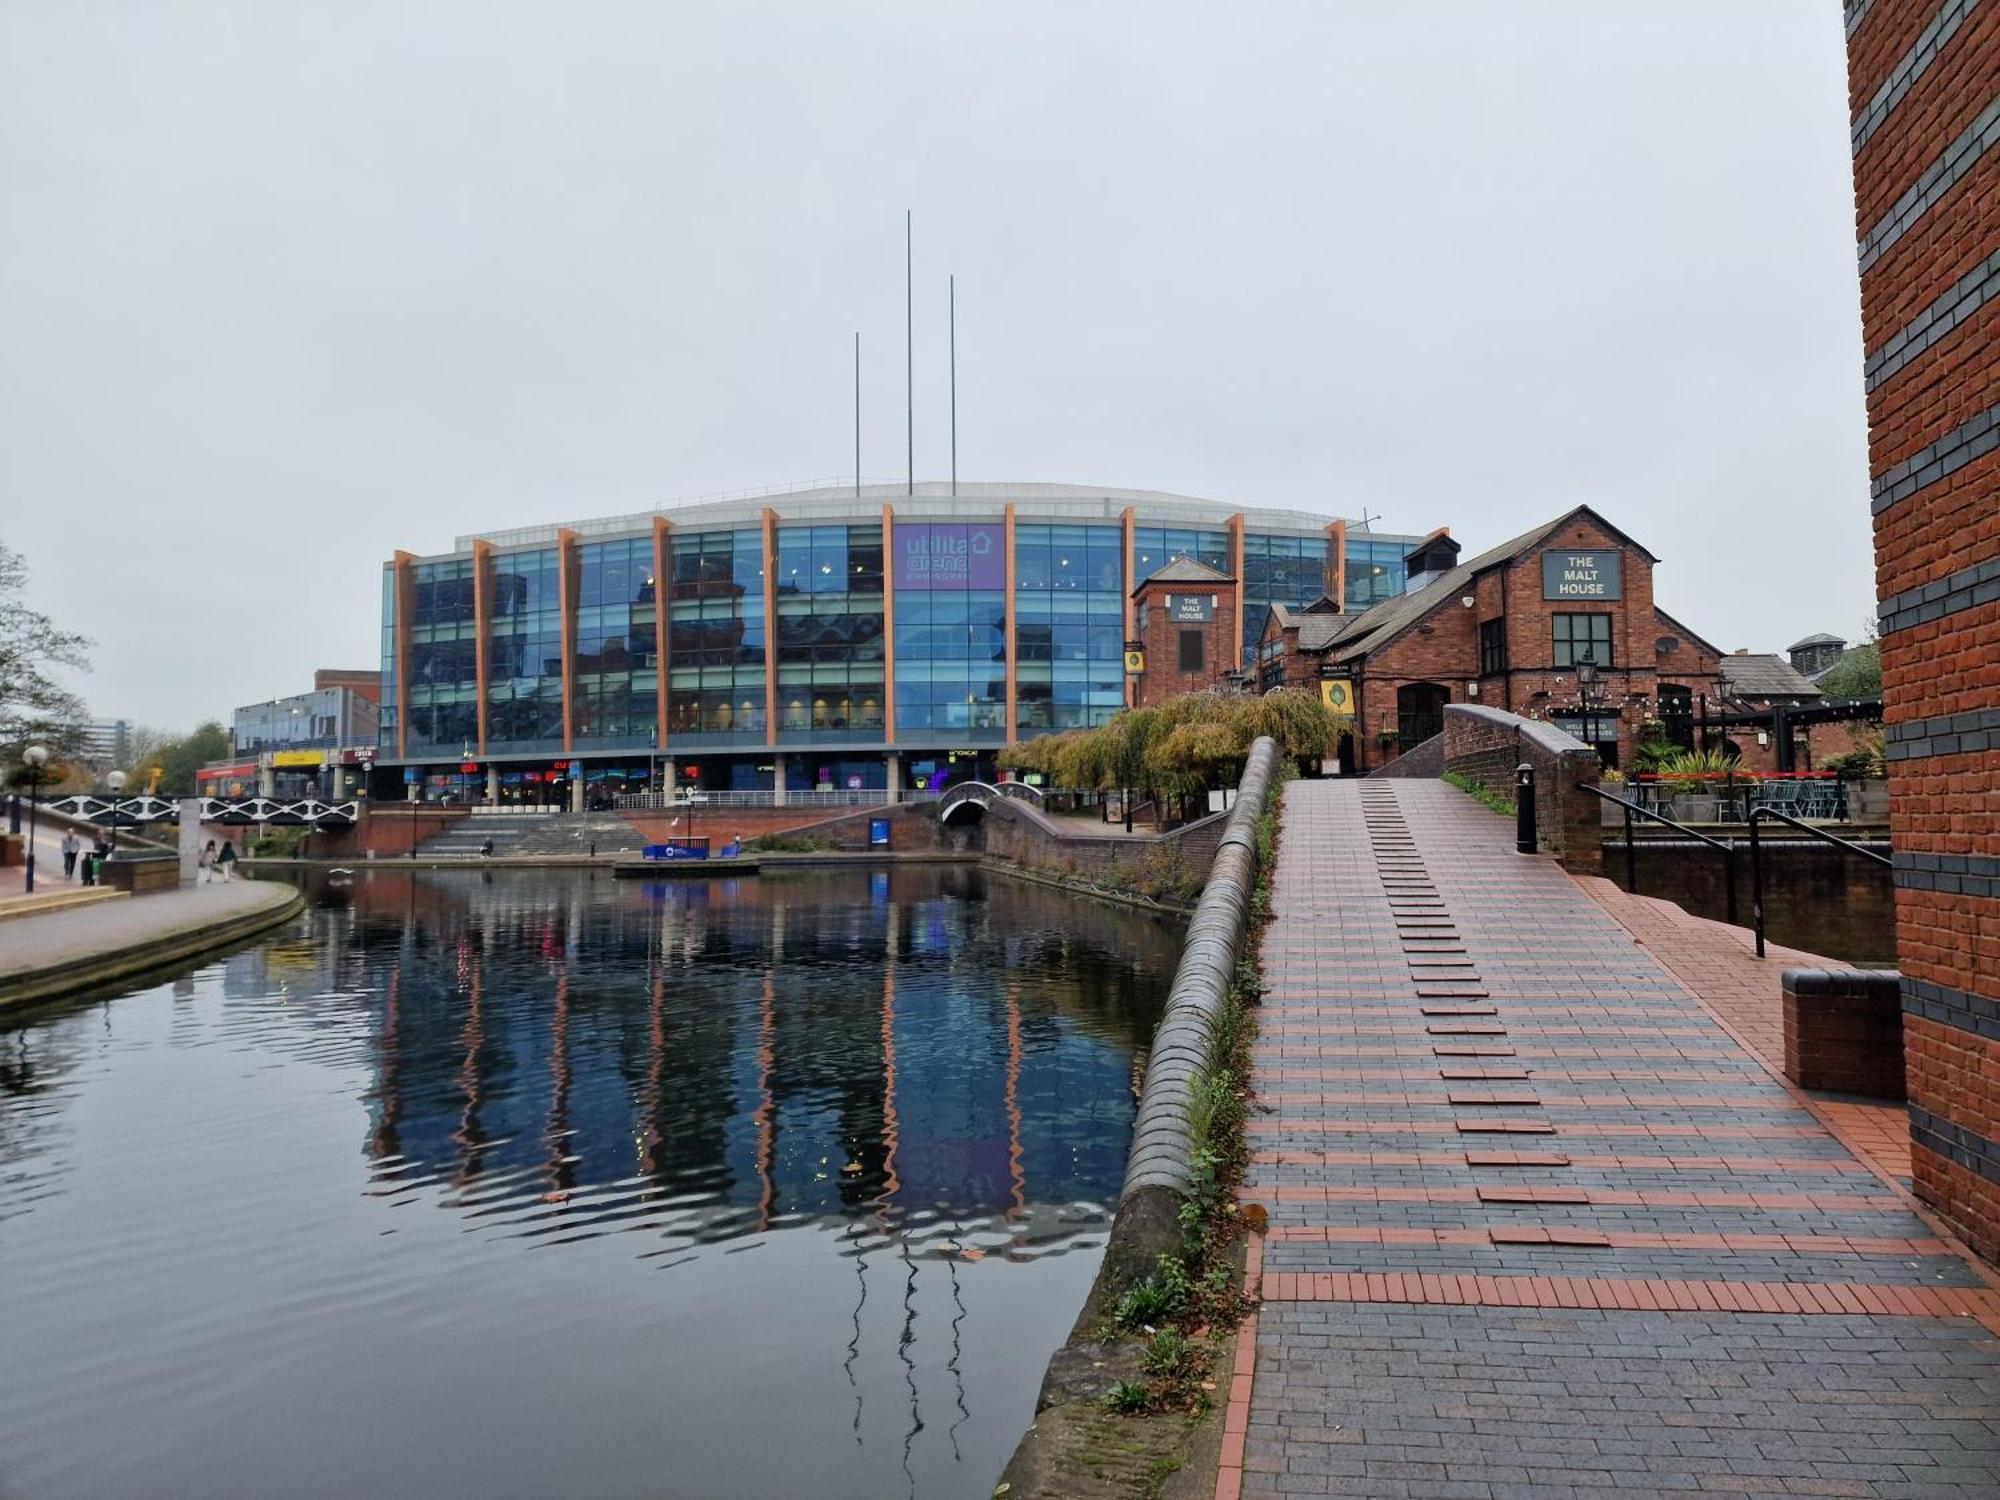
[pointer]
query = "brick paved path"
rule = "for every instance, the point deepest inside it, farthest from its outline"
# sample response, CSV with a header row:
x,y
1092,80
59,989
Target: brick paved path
x,y
1539,1225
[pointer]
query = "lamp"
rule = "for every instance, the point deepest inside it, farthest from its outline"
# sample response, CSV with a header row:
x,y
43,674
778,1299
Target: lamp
x,y
116,781
36,756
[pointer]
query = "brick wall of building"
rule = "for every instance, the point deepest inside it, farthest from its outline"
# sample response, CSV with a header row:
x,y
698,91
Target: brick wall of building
x,y
1925,101
1163,678
1488,746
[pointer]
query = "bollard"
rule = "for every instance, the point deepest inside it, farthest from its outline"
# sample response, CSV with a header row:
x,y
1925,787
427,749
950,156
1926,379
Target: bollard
x,y
1524,808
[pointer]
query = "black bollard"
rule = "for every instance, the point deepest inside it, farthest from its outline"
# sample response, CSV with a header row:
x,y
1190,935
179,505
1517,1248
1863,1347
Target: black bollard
x,y
1524,808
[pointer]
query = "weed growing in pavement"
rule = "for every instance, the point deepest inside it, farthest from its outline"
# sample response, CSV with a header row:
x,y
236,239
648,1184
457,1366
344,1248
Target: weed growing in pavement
x,y
1479,792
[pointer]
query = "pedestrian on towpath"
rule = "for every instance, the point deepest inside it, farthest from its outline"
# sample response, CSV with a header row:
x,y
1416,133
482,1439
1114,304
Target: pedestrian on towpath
x,y
70,846
204,864
226,860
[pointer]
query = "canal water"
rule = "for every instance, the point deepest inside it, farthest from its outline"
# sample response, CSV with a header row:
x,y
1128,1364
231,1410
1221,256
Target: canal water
x,y
527,1183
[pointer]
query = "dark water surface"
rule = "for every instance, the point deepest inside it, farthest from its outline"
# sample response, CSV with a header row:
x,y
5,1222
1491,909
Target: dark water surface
x,y
534,1184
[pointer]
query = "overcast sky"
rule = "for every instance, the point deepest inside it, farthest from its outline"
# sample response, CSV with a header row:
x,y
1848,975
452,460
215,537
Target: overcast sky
x,y
286,287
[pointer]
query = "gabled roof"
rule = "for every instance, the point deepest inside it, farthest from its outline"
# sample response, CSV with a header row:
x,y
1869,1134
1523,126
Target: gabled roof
x,y
1391,618
1323,605
1820,638
1758,674
1185,570
1699,640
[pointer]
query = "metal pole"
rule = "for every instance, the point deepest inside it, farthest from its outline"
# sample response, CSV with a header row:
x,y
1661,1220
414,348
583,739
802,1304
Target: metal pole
x,y
954,386
34,820
1729,878
1631,857
909,354
857,415
1524,808
1756,883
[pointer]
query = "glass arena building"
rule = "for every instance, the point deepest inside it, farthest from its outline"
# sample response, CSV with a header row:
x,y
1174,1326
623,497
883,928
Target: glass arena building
x,y
811,639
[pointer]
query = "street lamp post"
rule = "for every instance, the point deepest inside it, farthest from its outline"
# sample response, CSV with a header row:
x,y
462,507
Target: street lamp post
x,y
36,756
116,781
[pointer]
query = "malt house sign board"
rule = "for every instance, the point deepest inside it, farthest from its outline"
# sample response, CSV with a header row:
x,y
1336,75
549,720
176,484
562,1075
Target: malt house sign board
x,y
1582,575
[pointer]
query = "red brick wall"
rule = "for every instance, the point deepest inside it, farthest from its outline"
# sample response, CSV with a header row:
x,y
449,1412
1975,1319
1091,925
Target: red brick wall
x,y
1943,791
385,829
1163,679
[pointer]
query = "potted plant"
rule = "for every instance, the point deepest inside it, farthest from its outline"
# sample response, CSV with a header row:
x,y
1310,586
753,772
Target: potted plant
x,y
1694,778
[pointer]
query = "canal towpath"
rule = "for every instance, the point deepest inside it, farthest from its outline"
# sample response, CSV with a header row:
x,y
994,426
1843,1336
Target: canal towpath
x,y
47,954
1544,1218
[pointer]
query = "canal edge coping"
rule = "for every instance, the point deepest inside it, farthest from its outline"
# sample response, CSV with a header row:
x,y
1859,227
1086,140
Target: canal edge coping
x,y
1159,1173
54,981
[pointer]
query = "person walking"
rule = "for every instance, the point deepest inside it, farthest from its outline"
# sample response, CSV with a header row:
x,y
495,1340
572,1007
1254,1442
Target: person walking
x,y
70,846
204,865
226,860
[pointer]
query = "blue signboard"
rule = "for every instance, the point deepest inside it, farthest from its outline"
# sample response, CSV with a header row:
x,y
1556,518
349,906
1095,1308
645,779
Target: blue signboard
x,y
878,832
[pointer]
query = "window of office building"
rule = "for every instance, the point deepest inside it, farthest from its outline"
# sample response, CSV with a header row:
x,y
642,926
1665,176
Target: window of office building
x,y
385,726
830,640
1581,638
1153,547
617,667
951,632
1069,622
1288,570
524,633
715,636
443,690
1492,647
1375,571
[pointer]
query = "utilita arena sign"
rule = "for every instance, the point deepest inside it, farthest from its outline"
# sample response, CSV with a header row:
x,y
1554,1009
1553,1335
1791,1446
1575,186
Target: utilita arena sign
x,y
950,557
1582,575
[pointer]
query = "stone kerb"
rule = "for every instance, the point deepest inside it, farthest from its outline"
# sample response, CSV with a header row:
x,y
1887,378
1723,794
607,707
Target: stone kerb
x,y
1485,745
1159,1171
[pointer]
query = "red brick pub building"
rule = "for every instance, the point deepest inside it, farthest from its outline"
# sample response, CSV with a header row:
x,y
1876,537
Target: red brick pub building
x,y
1924,96
1513,628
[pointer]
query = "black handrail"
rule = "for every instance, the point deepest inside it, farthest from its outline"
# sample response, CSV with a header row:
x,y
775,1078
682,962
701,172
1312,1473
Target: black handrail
x,y
1757,860
1727,847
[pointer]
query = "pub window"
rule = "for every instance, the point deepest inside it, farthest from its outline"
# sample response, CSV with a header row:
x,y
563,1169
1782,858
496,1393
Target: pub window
x,y
1581,638
1492,647
1191,652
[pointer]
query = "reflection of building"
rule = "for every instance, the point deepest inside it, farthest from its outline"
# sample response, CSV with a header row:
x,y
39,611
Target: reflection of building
x,y
813,639
889,1041
1556,624
319,743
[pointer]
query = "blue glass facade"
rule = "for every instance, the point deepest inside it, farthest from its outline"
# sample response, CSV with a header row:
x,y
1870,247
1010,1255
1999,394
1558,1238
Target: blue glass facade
x,y
1069,626
798,683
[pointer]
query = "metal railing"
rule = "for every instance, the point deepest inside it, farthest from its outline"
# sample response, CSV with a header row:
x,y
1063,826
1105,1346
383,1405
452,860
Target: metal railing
x,y
834,797
1757,814
1726,847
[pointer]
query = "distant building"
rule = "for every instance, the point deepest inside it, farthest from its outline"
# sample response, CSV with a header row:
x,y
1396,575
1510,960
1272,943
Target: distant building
x,y
320,743
1815,653
106,746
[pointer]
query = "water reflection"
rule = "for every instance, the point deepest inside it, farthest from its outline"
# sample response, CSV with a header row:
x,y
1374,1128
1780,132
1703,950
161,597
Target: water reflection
x,y
747,1188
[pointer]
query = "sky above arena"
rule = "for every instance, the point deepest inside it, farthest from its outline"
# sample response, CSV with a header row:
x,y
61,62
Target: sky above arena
x,y
284,288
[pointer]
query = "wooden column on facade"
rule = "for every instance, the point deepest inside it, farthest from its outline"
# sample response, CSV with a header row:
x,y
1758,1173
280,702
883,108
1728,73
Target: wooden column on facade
x,y
661,527
1236,567
888,624
1336,572
482,625
1011,720
405,596
770,626
566,582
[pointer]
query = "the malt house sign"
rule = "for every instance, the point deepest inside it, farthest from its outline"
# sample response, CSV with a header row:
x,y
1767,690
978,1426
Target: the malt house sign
x,y
1582,575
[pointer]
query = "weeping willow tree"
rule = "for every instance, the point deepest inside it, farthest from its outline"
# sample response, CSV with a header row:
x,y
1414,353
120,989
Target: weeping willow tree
x,y
1182,748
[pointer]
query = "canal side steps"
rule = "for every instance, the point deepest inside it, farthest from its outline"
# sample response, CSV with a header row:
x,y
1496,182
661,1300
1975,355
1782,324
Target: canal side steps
x,y
470,833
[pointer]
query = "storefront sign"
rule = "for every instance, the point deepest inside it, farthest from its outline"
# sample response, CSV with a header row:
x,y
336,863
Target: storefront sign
x,y
298,758
946,556
1582,575
1337,693
1190,609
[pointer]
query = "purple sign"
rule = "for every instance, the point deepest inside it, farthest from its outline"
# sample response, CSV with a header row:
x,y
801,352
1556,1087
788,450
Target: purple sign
x,y
950,557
